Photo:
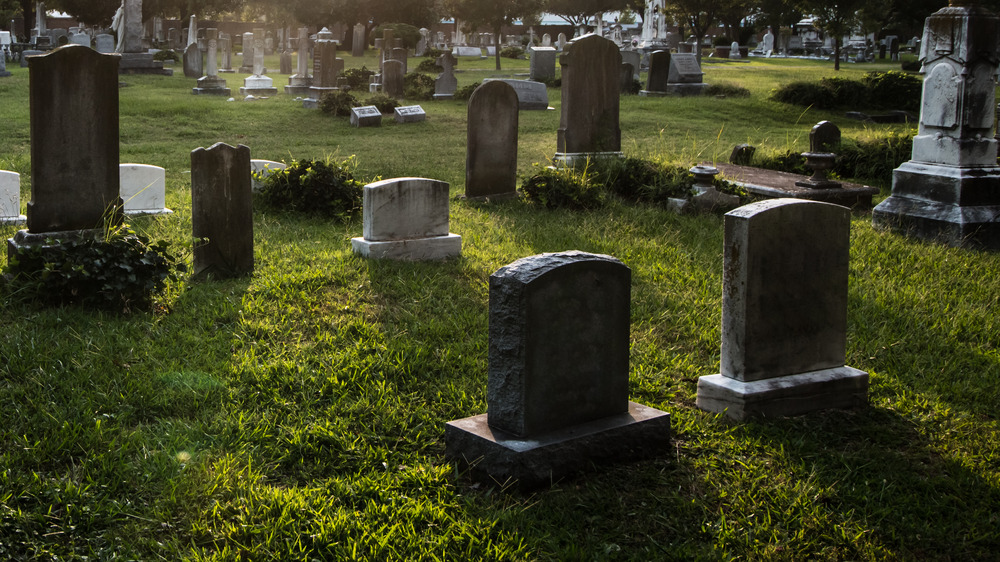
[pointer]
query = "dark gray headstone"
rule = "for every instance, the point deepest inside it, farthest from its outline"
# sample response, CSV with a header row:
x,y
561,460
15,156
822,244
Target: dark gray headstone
x,y
446,83
824,137
633,58
543,63
366,116
74,139
590,97
626,79
285,63
742,154
221,211
392,78
684,69
659,71
358,46
192,61
329,65
491,147
400,54
531,95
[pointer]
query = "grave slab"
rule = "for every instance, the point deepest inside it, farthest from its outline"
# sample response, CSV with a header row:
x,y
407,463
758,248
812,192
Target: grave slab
x,y
531,95
221,211
406,219
409,114
366,116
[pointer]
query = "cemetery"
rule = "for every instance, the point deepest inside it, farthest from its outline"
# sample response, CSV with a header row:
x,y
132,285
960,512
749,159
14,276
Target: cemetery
x,y
523,314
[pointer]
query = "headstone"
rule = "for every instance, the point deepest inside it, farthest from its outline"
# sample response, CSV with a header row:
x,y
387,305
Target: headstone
x,y
173,38
326,68
221,211
258,84
558,380
626,78
742,154
105,43
824,137
460,51
409,114
530,95
659,71
671,41
226,46
27,54
143,189
399,54
3,65
950,188
734,50
247,65
543,63
893,42
192,61
260,169
300,82
424,42
133,27
358,46
491,146
192,34
633,58
392,78
210,83
767,43
546,40
10,198
80,39
588,126
406,219
446,84
74,183
784,313
285,63
684,69
366,116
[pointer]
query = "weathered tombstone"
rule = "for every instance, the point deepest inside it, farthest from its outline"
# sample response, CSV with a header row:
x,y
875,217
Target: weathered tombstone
x,y
285,63
326,67
734,50
893,41
392,78
491,147
3,65
300,82
742,154
659,71
80,39
226,46
105,43
221,211
192,61
143,189
543,63
626,80
463,51
247,66
399,54
446,84
767,43
258,84
784,313
366,116
557,390
406,219
950,188
260,169
546,40
210,83
588,126
684,77
192,33
633,58
423,43
530,95
74,183
358,46
824,137
409,114
10,197
561,41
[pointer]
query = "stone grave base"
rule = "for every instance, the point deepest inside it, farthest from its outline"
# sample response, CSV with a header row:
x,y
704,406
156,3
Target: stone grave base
x,y
771,184
316,94
562,159
208,85
444,96
298,85
5,73
25,239
142,63
840,387
496,457
14,219
491,197
925,204
258,92
417,249
297,90
148,212
227,70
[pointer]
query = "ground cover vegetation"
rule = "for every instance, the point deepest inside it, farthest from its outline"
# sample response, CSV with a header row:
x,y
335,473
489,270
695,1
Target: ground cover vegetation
x,y
298,413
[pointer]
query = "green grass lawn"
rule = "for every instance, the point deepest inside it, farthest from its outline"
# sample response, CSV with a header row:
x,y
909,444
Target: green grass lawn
x,y
298,414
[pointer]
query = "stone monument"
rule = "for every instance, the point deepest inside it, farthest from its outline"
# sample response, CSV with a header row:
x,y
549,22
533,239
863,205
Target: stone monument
x,y
10,197
325,78
446,84
210,83
134,58
221,211
258,84
358,45
143,189
588,126
491,147
543,64
406,219
300,82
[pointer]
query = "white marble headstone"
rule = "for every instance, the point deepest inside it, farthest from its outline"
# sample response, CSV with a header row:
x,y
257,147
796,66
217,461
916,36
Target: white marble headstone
x,y
263,168
143,189
10,198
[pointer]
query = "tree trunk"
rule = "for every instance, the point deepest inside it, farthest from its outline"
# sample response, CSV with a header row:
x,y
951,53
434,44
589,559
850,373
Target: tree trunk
x,y
496,41
28,13
836,53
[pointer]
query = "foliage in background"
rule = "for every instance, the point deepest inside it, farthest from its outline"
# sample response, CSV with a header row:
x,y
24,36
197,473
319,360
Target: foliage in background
x,y
317,187
512,52
872,159
463,93
882,90
418,87
565,188
121,271
338,103
385,104
430,65
726,90
167,54
358,78
408,33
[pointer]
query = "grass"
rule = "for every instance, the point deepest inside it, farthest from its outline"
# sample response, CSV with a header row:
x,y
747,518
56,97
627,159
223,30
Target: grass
x,y
298,413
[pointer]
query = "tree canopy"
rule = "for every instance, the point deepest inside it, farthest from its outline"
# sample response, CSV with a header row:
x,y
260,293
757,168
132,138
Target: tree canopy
x,y
578,12
492,14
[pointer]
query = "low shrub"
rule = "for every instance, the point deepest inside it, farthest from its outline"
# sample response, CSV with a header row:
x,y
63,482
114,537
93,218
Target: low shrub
x,y
568,188
885,90
787,161
338,103
166,54
358,78
893,90
315,187
408,33
465,92
637,179
807,94
121,272
418,86
847,93
726,90
384,103
512,52
873,159
433,53
429,65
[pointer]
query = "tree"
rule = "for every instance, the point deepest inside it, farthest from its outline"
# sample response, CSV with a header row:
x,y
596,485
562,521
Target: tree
x,y
182,9
834,17
371,13
91,12
579,12
492,14
699,15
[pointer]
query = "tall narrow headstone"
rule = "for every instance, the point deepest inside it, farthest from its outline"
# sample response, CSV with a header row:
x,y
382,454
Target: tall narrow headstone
x,y
226,47
784,313
247,65
659,69
192,61
325,78
210,83
557,390
3,65
446,84
406,219
392,78
192,34
358,46
300,82
10,197
949,190
588,126
491,147
258,84
400,54
221,211
543,64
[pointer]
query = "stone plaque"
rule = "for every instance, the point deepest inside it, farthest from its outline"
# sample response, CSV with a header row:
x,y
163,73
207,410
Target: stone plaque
x,y
367,116
684,69
530,95
409,114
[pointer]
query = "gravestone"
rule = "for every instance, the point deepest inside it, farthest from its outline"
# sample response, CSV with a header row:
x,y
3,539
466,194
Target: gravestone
x,y
143,189
423,44
546,40
366,116
192,61
543,64
824,137
358,46
226,46
326,68
300,82
80,39
3,65
446,84
734,50
491,146
626,78
460,51
392,78
406,219
530,95
742,154
192,33
260,169
558,375
409,114
561,41
784,313
173,38
588,126
210,83
134,58
633,58
105,43
10,197
659,71
247,65
949,190
767,43
258,84
285,63
221,211
893,42
400,54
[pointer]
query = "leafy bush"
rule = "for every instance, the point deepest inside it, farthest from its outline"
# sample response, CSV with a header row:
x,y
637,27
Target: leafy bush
x,y
316,187
787,161
418,86
465,92
910,66
409,34
726,90
358,78
636,179
562,188
122,271
166,54
433,53
873,159
847,93
338,103
893,89
385,104
808,94
430,65
512,52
